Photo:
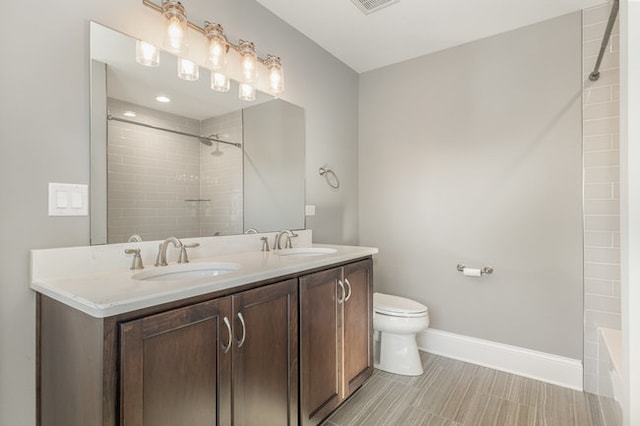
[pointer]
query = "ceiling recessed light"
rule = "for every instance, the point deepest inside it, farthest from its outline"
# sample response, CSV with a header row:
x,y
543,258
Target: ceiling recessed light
x,y
163,99
129,114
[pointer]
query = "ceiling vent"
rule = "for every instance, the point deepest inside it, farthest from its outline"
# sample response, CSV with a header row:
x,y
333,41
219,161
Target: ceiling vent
x,y
369,6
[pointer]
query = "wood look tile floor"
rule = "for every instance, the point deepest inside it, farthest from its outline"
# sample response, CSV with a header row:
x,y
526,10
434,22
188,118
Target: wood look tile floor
x,y
453,393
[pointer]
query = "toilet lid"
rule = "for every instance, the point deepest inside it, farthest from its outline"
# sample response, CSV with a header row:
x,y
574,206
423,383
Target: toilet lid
x,y
396,305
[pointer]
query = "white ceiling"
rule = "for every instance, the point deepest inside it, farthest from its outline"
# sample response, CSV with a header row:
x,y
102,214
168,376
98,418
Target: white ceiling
x,y
410,28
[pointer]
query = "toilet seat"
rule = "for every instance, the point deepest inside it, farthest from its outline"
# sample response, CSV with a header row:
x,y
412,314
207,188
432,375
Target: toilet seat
x,y
397,306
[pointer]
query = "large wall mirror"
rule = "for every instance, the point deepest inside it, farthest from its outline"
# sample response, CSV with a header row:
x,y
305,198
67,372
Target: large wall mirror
x,y
203,164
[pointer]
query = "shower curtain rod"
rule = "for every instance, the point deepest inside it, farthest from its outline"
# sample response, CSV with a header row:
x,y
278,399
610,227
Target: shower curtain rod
x,y
605,40
177,132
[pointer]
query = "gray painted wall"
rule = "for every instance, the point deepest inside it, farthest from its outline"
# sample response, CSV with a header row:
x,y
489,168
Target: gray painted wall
x,y
44,137
473,155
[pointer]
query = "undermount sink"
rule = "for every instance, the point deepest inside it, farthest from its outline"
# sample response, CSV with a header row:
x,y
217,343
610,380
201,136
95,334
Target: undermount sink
x,y
187,271
305,251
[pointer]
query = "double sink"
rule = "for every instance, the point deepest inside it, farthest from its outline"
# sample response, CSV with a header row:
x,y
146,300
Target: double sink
x,y
195,270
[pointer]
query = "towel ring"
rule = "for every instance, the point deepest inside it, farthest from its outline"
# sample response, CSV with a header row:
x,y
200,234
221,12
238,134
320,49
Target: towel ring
x,y
332,182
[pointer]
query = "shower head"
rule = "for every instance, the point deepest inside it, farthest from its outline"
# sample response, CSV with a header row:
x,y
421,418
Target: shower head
x,y
217,152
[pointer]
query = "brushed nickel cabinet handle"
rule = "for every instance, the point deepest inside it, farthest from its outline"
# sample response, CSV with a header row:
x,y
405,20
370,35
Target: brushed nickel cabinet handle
x,y
244,330
225,348
341,299
346,281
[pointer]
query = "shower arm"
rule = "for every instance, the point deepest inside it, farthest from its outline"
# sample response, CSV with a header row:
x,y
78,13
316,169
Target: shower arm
x,y
177,132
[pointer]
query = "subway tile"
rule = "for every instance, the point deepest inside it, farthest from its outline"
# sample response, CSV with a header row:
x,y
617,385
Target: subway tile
x,y
603,319
598,286
598,143
598,191
602,223
600,110
615,92
602,174
597,94
602,255
594,302
616,288
604,271
598,239
601,158
602,207
601,126
594,31
139,212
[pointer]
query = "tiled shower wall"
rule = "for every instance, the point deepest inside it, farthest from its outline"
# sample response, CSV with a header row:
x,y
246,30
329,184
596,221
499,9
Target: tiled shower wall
x,y
601,125
158,185
221,177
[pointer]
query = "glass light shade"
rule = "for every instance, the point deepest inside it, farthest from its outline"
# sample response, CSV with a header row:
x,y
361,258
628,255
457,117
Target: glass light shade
x,y
246,92
276,76
249,64
147,54
175,27
187,70
216,47
220,82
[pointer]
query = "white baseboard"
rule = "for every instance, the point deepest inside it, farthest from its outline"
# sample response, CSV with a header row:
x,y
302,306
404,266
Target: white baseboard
x,y
541,366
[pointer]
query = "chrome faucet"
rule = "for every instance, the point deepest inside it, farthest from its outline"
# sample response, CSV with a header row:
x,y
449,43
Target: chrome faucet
x,y
161,258
277,244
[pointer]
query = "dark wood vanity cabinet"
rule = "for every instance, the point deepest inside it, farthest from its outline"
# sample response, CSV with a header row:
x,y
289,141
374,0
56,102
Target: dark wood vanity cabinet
x,y
226,361
336,343
225,358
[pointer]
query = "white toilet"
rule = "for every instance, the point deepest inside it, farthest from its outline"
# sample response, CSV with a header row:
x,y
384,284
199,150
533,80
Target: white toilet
x,y
396,320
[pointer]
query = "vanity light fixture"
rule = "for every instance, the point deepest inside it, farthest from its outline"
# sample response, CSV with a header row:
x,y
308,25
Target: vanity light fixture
x,y
276,79
147,54
220,82
175,27
246,92
218,49
129,114
163,99
187,70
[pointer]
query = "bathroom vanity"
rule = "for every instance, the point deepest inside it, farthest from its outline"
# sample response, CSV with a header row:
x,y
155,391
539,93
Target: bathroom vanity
x,y
283,339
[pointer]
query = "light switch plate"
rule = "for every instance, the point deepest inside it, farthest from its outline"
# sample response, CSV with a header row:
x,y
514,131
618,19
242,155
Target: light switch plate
x,y
68,199
309,210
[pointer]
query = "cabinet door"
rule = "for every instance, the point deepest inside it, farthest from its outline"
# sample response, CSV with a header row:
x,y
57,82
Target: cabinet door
x,y
265,355
358,325
321,341
174,369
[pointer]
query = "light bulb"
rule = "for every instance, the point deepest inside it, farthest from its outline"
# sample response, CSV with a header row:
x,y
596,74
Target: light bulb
x,y
249,62
276,76
175,21
147,54
246,92
217,48
220,82
187,70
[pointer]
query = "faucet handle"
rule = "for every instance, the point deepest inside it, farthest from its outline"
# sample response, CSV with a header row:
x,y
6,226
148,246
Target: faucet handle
x,y
265,244
183,258
136,263
288,243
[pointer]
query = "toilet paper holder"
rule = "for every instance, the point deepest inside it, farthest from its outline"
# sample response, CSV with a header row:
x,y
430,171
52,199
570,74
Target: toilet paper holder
x,y
486,270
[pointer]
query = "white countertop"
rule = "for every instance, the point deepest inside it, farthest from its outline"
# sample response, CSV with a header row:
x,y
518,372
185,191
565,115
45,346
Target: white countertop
x,y
106,292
